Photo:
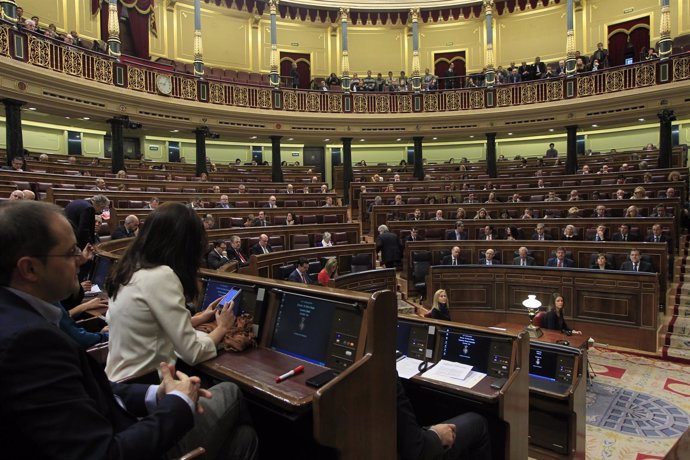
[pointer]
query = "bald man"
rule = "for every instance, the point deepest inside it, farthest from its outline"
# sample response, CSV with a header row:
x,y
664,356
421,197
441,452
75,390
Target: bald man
x,y
128,229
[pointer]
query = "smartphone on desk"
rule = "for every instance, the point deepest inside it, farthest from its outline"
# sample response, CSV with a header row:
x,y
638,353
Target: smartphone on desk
x,y
232,295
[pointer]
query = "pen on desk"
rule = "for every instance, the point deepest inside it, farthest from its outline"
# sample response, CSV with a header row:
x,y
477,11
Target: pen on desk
x,y
289,374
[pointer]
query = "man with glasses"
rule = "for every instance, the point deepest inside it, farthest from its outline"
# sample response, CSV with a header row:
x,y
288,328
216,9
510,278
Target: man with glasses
x,y
58,401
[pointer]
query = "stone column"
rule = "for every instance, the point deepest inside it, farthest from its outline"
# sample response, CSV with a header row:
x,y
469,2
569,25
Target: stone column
x,y
491,167
345,79
418,159
490,76
117,127
14,140
416,79
200,133
666,119
274,75
276,169
571,158
570,40
347,169
114,43
198,43
665,42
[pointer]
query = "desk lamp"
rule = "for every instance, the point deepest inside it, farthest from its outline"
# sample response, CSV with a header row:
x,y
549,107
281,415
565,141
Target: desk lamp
x,y
532,305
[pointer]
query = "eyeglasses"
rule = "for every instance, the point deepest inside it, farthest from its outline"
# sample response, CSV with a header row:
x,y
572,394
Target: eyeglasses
x,y
74,252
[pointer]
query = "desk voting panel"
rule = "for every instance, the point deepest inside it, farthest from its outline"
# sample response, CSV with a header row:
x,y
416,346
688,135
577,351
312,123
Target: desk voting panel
x,y
496,387
321,329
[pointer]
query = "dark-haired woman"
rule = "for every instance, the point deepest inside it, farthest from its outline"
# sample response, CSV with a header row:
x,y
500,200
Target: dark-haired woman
x,y
148,290
554,318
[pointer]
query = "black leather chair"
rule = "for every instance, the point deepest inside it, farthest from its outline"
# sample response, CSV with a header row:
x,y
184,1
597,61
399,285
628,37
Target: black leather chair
x,y
421,261
361,262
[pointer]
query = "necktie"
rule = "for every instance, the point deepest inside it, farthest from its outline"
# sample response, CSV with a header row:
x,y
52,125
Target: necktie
x,y
625,237
656,239
634,267
264,249
541,237
304,278
560,264
240,256
488,237
523,262
455,261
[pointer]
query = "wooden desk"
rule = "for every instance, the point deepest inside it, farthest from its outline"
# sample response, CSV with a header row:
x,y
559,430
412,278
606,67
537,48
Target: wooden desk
x,y
558,415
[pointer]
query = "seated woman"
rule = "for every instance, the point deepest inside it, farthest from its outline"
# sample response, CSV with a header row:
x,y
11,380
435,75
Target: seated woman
x,y
328,271
290,219
439,307
601,263
482,214
554,318
148,290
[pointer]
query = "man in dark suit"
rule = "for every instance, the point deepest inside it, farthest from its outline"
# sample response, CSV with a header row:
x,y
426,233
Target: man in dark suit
x,y
459,233
128,229
81,214
488,258
560,261
217,257
417,215
224,203
657,236
551,152
540,235
625,235
454,257
271,202
262,247
235,252
388,244
488,233
414,236
261,220
301,273
524,260
58,402
636,264
464,436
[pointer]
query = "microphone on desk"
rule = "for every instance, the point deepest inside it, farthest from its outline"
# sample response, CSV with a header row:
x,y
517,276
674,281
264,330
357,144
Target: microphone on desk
x,y
287,375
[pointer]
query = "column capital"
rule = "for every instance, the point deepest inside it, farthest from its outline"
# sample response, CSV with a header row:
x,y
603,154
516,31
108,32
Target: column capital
x,y
273,6
9,102
414,14
344,13
488,6
666,116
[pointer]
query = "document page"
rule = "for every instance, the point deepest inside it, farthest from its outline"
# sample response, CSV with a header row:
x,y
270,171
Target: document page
x,y
454,374
408,367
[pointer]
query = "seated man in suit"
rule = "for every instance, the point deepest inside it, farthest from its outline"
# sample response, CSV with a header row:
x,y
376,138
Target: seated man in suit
x,y
301,273
59,402
262,247
539,233
217,257
488,258
657,236
624,234
414,236
261,220
524,259
454,257
128,229
488,233
417,215
560,261
459,233
636,264
235,252
224,203
271,203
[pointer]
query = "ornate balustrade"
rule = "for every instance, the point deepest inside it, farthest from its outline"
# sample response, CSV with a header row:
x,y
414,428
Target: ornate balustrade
x,y
40,51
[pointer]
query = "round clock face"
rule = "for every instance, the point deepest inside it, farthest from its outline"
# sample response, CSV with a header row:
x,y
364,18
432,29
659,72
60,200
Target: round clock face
x,y
164,84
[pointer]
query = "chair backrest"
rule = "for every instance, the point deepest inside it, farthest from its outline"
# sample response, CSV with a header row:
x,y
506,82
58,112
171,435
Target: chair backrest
x,y
310,219
539,319
300,241
361,262
420,270
284,271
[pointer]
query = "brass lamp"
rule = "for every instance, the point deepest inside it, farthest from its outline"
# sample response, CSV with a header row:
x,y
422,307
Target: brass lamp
x,y
532,305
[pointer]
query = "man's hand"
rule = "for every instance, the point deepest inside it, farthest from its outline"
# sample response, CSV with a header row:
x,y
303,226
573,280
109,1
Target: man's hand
x,y
190,386
446,433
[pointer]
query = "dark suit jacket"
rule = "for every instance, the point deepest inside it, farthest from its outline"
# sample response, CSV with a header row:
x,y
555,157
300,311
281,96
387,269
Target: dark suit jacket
x,y
256,249
453,235
121,232
224,206
572,238
448,260
82,216
482,261
233,255
547,236
215,260
662,239
413,441
58,402
567,263
409,238
389,246
530,261
297,278
631,237
257,223
644,266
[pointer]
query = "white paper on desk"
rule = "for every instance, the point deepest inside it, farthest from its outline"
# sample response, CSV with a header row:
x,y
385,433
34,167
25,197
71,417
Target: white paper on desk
x,y
95,289
471,380
408,367
448,372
